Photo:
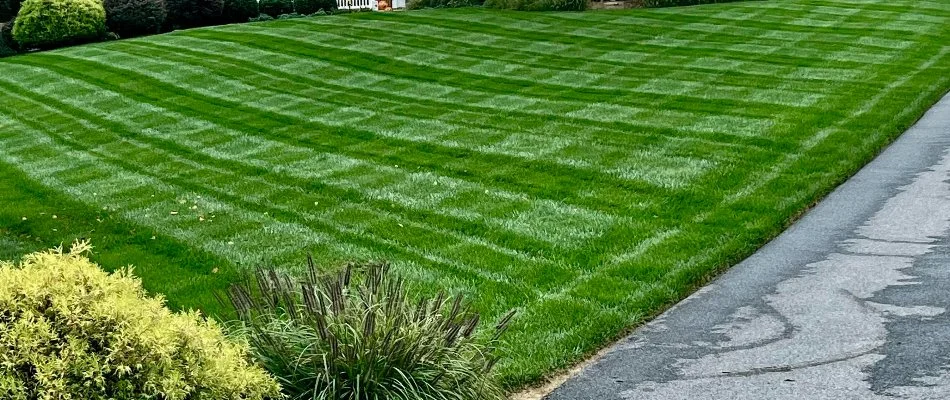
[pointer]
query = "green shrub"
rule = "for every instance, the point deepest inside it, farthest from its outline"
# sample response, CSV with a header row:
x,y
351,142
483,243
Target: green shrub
x,y
538,5
192,13
671,3
417,4
276,8
328,339
135,17
308,7
262,17
68,330
7,44
9,9
239,10
50,23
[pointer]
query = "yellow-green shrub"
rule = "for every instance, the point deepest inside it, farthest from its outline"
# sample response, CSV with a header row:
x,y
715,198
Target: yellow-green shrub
x,y
68,330
51,23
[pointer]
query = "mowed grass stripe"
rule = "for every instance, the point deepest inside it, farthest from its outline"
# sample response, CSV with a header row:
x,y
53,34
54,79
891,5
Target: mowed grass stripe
x,y
424,46
537,144
233,198
702,33
767,176
186,276
660,115
795,16
240,246
763,39
525,268
318,191
687,87
674,155
516,277
606,241
573,224
367,60
626,66
607,76
476,117
491,153
458,94
349,139
665,44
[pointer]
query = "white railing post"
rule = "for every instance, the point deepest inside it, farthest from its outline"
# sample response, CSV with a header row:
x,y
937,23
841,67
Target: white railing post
x,y
367,4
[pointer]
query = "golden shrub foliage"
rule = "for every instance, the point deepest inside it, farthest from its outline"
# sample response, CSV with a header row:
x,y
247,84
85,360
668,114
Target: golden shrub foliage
x,y
69,330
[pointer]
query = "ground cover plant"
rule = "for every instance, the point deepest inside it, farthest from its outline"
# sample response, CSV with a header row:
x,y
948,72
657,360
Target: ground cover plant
x,y
586,169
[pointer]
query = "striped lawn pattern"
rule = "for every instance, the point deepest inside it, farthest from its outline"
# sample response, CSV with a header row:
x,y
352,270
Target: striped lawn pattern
x,y
585,168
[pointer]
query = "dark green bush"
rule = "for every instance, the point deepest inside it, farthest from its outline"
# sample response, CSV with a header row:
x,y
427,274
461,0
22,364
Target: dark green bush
x,y
333,339
671,3
262,17
9,9
674,3
538,5
417,4
192,13
308,7
51,23
7,45
276,8
239,10
135,17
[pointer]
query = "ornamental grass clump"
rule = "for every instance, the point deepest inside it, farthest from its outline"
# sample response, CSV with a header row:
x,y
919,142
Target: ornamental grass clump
x,y
358,336
68,330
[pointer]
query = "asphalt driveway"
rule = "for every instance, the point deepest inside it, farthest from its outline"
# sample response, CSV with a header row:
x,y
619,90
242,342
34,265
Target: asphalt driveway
x,y
850,303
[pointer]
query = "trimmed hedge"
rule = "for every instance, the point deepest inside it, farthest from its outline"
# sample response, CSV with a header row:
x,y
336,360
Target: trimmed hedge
x,y
239,10
308,7
68,330
417,4
538,5
193,13
50,23
135,17
276,8
673,3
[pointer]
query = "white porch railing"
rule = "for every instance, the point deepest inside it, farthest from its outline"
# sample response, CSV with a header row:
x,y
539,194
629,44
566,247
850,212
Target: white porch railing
x,y
367,4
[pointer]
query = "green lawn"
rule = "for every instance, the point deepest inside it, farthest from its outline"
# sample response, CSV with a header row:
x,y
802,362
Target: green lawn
x,y
12,247
587,169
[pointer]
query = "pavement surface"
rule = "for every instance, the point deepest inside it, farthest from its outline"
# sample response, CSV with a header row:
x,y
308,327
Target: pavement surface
x,y
850,303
